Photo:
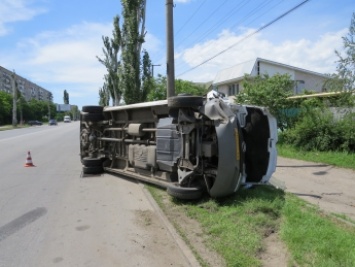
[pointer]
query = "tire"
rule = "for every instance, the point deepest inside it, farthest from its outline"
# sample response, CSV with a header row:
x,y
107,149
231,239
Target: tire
x,y
92,109
93,117
185,193
93,170
183,101
91,162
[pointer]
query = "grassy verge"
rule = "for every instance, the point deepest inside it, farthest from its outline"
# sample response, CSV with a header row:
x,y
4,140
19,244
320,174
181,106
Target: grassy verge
x,y
339,159
10,127
236,227
315,239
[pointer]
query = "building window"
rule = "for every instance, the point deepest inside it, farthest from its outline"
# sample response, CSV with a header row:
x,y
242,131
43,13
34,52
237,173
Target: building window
x,y
300,86
233,89
258,68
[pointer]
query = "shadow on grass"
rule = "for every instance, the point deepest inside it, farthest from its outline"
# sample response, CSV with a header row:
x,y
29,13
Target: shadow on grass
x,y
261,192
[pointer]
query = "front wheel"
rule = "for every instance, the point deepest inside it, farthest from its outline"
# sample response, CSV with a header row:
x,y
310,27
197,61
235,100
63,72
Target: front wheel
x,y
185,193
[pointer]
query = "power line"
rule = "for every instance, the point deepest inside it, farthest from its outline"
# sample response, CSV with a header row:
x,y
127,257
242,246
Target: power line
x,y
204,21
252,13
223,19
178,31
248,36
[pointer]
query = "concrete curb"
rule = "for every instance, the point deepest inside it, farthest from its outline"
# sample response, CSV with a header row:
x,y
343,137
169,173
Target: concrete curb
x,y
186,251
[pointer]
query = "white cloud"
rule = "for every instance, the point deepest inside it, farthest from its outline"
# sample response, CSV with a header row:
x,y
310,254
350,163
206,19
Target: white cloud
x,y
316,56
66,56
152,44
66,59
16,10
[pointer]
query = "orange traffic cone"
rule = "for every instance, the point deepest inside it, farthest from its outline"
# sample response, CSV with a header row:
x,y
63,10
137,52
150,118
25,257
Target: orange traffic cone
x,y
29,160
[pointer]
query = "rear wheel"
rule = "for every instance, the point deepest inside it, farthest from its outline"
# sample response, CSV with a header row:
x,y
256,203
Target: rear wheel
x,y
185,101
92,109
93,117
185,193
91,162
93,170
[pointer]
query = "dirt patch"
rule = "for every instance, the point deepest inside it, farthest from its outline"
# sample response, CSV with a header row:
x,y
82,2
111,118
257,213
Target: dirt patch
x,y
275,252
192,233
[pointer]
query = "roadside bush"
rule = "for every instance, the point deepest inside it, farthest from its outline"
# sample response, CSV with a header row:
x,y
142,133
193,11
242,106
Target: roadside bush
x,y
346,128
317,129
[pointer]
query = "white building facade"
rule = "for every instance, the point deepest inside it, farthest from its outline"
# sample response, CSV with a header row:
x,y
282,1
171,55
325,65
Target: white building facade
x,y
229,81
28,89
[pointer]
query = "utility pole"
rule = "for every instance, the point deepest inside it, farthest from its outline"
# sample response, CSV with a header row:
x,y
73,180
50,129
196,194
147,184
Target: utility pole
x,y
14,99
170,69
49,107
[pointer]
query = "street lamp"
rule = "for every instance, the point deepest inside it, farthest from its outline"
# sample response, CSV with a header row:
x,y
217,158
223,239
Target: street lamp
x,y
153,69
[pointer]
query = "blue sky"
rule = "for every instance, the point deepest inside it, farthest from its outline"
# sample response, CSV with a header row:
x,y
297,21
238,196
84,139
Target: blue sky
x,y
55,43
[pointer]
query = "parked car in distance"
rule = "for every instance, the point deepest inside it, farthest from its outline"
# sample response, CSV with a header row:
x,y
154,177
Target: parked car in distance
x,y
35,122
52,122
67,119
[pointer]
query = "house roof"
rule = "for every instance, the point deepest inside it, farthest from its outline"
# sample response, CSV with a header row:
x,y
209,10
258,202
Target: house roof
x,y
234,73
238,71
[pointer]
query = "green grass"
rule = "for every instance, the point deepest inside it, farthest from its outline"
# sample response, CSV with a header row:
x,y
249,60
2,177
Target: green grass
x,y
10,127
235,227
339,159
315,239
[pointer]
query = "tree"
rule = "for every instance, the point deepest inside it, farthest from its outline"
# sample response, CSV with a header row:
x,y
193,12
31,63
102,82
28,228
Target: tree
x,y
271,92
133,32
66,97
38,109
147,79
5,107
181,86
334,83
49,99
74,112
346,63
111,62
159,92
131,75
104,96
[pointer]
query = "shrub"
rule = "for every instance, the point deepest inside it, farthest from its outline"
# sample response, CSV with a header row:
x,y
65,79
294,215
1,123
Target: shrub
x,y
346,127
317,129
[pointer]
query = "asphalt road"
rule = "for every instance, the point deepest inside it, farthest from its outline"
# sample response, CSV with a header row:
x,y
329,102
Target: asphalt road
x,y
51,216
328,187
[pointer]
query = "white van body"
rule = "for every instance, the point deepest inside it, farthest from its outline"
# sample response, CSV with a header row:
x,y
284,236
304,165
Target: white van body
x,y
188,144
67,119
